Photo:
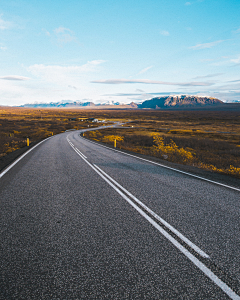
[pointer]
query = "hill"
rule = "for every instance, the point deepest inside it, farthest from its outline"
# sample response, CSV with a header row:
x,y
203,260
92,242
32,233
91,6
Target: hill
x,y
183,101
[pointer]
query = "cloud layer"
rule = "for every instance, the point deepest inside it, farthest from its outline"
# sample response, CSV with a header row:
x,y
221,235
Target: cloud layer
x,y
236,60
164,32
208,76
64,35
4,24
144,70
15,77
147,81
206,45
69,75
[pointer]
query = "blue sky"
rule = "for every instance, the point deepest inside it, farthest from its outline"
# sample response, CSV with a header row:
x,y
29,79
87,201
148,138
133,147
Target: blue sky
x,y
118,50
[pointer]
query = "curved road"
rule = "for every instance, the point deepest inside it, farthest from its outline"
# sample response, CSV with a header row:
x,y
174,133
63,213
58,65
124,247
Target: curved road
x,y
82,221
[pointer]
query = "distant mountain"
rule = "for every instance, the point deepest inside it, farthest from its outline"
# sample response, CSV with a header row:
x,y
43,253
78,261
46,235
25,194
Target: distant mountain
x,y
133,105
67,103
109,103
167,102
234,101
78,104
180,102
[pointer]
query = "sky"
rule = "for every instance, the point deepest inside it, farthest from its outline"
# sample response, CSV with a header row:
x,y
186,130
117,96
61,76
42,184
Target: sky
x,y
118,50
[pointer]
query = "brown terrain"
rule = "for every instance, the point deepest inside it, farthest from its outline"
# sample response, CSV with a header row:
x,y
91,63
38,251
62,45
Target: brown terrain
x,y
207,139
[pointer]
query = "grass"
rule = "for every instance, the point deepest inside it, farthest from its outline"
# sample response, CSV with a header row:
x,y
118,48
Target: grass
x,y
18,124
205,139
208,140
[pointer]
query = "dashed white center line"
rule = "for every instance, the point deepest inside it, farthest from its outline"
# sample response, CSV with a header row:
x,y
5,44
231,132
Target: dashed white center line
x,y
75,148
80,152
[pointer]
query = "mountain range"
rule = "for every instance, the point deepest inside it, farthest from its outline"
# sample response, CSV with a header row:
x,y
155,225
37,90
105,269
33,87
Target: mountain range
x,y
79,104
167,102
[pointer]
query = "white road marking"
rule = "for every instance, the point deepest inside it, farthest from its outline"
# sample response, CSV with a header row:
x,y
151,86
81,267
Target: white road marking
x,y
75,147
80,152
175,231
222,285
22,156
155,163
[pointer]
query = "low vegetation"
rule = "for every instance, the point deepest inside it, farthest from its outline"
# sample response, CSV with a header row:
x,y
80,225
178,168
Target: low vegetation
x,y
208,140
205,139
18,124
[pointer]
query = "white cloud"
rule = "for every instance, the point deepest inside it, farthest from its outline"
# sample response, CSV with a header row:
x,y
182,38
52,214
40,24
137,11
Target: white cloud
x,y
4,24
206,45
147,81
144,70
164,32
64,35
238,80
47,32
62,30
50,83
67,75
15,77
208,76
72,87
237,31
236,60
149,95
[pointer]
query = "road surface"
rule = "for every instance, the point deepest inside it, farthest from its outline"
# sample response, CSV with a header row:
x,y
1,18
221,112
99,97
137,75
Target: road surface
x,y
82,221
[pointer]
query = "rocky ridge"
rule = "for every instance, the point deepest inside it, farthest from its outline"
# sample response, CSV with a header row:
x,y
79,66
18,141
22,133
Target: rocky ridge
x,y
179,101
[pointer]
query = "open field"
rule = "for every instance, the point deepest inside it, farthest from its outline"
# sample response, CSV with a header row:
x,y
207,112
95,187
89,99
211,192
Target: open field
x,y
18,124
205,139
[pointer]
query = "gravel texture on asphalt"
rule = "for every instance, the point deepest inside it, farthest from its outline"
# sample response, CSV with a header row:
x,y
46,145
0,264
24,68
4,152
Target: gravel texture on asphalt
x,y
67,234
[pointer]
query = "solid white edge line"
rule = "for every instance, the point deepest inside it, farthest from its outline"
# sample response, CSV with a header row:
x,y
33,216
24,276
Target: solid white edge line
x,y
155,163
16,161
165,223
222,285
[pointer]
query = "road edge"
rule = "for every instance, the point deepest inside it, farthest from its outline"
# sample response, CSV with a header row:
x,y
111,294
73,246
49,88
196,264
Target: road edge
x,y
6,168
195,172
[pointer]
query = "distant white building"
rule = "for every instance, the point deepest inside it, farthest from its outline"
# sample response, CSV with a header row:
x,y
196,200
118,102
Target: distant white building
x,y
92,120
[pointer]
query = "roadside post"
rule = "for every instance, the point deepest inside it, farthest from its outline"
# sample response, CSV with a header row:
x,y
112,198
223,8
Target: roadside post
x,y
28,142
115,143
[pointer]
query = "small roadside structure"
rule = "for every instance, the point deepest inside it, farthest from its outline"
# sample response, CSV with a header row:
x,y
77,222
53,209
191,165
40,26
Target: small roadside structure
x,y
92,120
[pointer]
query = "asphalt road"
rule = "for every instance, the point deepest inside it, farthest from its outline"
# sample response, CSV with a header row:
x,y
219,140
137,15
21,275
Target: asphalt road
x,y
81,221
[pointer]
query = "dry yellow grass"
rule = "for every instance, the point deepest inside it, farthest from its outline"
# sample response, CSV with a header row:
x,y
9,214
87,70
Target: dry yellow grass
x,y
207,139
